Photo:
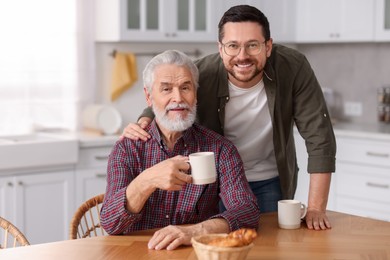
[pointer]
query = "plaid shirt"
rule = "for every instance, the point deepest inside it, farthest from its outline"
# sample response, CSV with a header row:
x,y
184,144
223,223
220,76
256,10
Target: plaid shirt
x,y
192,204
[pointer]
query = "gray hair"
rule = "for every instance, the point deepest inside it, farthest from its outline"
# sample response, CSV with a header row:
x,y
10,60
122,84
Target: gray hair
x,y
169,57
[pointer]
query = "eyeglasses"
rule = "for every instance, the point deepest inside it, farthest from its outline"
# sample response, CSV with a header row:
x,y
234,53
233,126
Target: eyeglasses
x,y
251,48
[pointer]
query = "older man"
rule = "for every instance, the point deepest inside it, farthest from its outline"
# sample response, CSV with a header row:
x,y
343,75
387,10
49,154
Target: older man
x,y
148,183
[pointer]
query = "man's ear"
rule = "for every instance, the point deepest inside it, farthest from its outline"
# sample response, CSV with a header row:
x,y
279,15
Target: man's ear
x,y
268,47
220,50
147,96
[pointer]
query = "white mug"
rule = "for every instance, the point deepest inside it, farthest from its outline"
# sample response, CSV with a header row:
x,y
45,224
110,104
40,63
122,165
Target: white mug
x,y
203,167
290,213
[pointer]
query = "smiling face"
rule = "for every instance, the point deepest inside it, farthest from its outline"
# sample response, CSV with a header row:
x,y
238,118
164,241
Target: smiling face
x,y
244,70
173,97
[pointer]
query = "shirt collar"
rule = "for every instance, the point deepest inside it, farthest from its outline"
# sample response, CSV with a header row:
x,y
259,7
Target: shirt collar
x,y
154,131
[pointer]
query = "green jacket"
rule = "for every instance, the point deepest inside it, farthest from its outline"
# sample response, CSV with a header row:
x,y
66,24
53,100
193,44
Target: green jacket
x,y
294,96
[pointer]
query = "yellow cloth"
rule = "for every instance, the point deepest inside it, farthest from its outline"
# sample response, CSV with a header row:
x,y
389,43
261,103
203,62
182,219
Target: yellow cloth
x,y
124,74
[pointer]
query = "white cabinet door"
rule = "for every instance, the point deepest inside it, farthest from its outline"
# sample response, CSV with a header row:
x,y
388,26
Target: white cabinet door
x,y
91,172
193,20
89,183
281,15
363,190
382,22
335,20
156,20
363,177
7,198
44,205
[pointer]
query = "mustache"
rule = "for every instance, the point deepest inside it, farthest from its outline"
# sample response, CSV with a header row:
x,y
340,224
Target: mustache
x,y
175,106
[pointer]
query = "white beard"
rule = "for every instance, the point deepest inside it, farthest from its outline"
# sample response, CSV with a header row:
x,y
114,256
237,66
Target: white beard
x,y
177,124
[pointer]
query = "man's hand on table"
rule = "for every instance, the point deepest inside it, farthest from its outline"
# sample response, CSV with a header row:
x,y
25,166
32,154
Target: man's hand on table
x,y
171,237
317,219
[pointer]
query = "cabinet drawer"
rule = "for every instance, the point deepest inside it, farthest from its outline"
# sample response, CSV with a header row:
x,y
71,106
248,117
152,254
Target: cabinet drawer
x,y
94,157
363,151
371,183
364,208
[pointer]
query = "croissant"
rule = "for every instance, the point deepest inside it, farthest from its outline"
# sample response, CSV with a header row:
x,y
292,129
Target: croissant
x,y
240,237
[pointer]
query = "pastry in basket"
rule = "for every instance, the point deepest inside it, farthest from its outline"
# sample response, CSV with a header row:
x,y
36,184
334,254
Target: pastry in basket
x,y
240,237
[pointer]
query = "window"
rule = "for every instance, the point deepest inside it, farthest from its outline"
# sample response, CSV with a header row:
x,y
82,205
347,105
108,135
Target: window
x,y
39,74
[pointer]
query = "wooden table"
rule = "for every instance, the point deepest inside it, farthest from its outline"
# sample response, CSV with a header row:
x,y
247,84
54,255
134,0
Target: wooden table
x,y
350,238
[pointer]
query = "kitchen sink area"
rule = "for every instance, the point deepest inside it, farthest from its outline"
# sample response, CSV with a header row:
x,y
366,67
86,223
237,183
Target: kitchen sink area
x,y
37,150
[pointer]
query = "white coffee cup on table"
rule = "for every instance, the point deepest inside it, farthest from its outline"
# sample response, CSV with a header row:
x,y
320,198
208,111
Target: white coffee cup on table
x,y
290,213
202,167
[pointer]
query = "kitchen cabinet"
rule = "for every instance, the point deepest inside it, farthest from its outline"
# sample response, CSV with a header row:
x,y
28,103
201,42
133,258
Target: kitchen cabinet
x,y
6,200
335,21
361,183
302,191
155,20
382,20
91,172
281,15
39,204
363,177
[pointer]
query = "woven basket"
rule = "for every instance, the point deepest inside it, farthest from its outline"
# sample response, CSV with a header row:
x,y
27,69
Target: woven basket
x,y
206,252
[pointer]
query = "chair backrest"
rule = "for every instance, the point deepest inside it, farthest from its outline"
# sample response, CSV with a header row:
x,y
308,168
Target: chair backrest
x,y
86,220
12,235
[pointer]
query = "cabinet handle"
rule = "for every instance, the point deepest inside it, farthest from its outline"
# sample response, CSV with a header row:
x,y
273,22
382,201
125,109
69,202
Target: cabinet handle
x,y
384,155
101,175
20,183
10,184
377,185
101,158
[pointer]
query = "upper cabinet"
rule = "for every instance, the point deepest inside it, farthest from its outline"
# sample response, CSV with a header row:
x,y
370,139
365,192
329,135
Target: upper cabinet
x,y
155,20
335,21
291,21
382,22
281,15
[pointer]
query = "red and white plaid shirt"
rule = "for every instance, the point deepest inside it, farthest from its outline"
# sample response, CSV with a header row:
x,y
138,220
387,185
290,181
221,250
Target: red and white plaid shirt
x,y
192,204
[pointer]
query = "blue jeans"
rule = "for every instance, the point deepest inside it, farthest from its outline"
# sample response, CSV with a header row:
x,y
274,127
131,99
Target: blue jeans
x,y
267,192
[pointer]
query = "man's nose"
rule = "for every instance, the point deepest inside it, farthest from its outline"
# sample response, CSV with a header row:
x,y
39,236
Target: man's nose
x,y
242,53
176,95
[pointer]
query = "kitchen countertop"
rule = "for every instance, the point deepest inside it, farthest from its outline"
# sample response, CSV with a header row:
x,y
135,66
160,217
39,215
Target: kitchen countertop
x,y
95,139
375,131
89,138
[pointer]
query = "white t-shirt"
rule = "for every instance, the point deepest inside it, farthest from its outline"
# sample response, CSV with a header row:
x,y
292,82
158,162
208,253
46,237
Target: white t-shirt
x,y
248,125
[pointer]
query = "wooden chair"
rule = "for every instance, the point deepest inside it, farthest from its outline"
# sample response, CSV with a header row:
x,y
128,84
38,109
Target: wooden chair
x,y
11,234
86,220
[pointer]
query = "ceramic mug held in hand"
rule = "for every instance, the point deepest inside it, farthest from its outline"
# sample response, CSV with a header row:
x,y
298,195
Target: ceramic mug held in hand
x,y
290,213
203,168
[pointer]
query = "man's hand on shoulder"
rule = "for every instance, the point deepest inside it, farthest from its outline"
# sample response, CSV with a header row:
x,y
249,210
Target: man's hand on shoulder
x,y
135,131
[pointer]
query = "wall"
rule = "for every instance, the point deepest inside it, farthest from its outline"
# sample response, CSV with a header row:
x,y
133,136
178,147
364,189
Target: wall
x,y
132,102
353,70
